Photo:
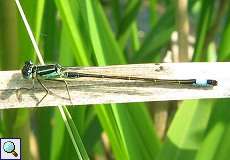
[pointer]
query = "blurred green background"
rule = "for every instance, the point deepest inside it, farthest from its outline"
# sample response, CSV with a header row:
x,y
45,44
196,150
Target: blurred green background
x,y
94,32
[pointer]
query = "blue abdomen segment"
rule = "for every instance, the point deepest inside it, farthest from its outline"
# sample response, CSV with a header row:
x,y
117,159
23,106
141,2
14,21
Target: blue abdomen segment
x,y
201,83
205,83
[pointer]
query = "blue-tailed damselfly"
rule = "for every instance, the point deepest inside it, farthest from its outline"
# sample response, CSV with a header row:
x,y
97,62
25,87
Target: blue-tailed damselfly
x,y
56,71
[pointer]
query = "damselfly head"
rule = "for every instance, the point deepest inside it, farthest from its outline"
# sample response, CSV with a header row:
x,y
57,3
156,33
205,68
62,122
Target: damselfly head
x,y
27,69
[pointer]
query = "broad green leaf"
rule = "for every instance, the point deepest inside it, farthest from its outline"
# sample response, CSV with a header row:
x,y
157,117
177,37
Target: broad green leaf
x,y
80,48
216,144
203,27
103,41
51,33
187,131
224,48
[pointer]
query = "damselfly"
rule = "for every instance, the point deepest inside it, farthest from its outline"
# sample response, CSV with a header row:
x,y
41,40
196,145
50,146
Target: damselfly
x,y
55,72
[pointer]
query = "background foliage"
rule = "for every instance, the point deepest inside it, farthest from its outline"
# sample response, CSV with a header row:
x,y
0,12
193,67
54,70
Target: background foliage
x,y
93,32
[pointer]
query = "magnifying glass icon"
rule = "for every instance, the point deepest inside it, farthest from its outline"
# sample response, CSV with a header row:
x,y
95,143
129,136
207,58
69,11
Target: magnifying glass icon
x,y
9,147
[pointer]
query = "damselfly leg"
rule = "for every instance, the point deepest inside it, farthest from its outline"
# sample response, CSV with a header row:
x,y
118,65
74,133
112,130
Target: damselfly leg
x,y
48,91
66,86
45,88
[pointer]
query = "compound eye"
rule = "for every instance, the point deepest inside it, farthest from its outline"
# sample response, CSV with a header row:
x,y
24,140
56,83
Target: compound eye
x,y
26,73
27,70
